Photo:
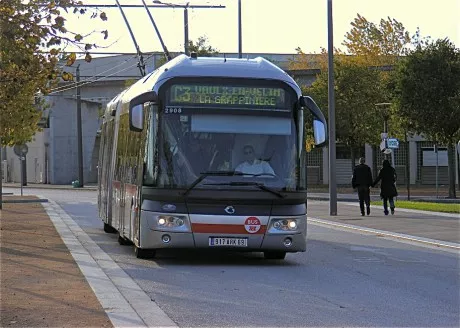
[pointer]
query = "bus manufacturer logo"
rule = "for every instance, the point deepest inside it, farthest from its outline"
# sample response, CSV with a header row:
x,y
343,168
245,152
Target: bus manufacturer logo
x,y
230,210
169,207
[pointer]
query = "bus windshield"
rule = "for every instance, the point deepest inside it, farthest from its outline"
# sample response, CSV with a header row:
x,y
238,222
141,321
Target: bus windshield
x,y
262,147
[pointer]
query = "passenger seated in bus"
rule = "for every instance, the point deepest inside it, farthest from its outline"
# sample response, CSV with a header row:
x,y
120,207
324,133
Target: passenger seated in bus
x,y
251,165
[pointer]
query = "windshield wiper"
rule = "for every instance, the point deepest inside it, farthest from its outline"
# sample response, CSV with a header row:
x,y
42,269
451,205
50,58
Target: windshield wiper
x,y
210,173
243,183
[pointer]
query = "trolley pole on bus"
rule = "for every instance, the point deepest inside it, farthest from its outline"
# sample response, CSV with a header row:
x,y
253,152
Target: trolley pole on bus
x,y
79,130
331,105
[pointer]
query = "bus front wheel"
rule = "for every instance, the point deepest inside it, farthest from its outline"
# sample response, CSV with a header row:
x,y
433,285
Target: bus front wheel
x,y
275,255
142,253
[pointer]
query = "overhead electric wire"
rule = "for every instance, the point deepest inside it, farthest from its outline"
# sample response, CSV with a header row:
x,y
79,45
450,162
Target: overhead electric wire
x,y
96,80
96,76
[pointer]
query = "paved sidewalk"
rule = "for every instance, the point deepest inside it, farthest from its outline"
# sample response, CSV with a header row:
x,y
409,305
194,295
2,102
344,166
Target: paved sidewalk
x,y
41,285
353,197
424,224
87,187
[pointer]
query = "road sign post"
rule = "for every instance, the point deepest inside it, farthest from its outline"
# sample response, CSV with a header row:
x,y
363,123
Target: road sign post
x,y
393,144
21,152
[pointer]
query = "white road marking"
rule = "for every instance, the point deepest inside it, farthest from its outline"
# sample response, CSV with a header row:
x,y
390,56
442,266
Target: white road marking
x,y
433,243
125,303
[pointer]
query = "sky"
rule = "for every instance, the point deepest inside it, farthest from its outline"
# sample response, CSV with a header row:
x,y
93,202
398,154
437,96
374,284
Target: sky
x,y
268,26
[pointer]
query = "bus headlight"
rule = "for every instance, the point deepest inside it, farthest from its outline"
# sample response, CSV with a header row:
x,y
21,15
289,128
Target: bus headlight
x,y
283,225
292,225
170,221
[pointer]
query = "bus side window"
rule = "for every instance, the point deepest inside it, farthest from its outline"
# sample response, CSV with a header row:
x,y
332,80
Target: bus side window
x,y
149,158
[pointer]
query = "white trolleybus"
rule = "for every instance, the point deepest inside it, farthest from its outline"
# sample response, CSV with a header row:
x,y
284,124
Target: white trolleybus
x,y
208,153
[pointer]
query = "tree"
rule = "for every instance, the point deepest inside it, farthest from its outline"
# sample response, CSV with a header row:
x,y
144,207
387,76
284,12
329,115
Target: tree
x,y
377,45
32,38
202,48
383,46
428,89
356,119
368,45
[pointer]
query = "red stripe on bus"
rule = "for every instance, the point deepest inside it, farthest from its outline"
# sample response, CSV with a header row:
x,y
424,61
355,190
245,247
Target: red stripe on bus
x,y
224,228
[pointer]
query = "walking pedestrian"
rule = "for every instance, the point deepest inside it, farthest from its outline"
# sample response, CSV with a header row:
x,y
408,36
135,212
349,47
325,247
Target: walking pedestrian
x,y
387,176
362,180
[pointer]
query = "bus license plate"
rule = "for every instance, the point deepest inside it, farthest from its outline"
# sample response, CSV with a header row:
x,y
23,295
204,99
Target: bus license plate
x,y
225,241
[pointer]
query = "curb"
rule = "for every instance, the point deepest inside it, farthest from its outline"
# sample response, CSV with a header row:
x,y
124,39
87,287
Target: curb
x,y
355,199
55,188
40,200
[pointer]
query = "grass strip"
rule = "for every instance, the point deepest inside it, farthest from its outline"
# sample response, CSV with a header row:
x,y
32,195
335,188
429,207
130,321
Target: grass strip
x,y
425,206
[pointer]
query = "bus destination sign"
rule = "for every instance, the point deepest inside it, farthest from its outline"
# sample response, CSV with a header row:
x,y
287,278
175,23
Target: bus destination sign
x,y
227,96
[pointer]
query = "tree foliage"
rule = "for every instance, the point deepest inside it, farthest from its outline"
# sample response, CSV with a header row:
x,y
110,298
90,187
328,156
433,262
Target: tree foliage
x,y
356,119
32,38
428,88
369,46
202,48
377,44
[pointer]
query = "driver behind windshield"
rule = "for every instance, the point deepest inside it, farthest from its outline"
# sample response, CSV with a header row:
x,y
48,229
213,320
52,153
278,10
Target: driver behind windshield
x,y
253,166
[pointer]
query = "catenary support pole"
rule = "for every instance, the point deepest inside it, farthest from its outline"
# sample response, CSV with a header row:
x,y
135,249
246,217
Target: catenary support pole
x,y
331,105
79,130
240,37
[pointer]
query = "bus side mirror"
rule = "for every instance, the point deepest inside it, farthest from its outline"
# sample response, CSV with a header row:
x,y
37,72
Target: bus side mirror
x,y
319,121
136,109
136,118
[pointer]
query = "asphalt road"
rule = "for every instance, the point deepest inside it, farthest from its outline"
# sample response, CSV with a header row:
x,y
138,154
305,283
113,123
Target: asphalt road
x,y
346,278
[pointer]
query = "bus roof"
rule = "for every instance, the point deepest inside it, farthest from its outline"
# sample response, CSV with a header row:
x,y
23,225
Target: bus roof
x,y
185,66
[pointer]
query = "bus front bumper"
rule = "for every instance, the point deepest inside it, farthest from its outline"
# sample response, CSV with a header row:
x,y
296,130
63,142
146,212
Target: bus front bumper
x,y
152,239
214,232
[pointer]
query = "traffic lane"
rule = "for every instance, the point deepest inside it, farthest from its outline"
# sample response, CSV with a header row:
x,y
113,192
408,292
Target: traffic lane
x,y
340,281
343,279
426,225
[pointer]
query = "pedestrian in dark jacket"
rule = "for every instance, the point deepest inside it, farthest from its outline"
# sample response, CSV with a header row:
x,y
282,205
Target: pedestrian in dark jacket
x,y
387,176
362,180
